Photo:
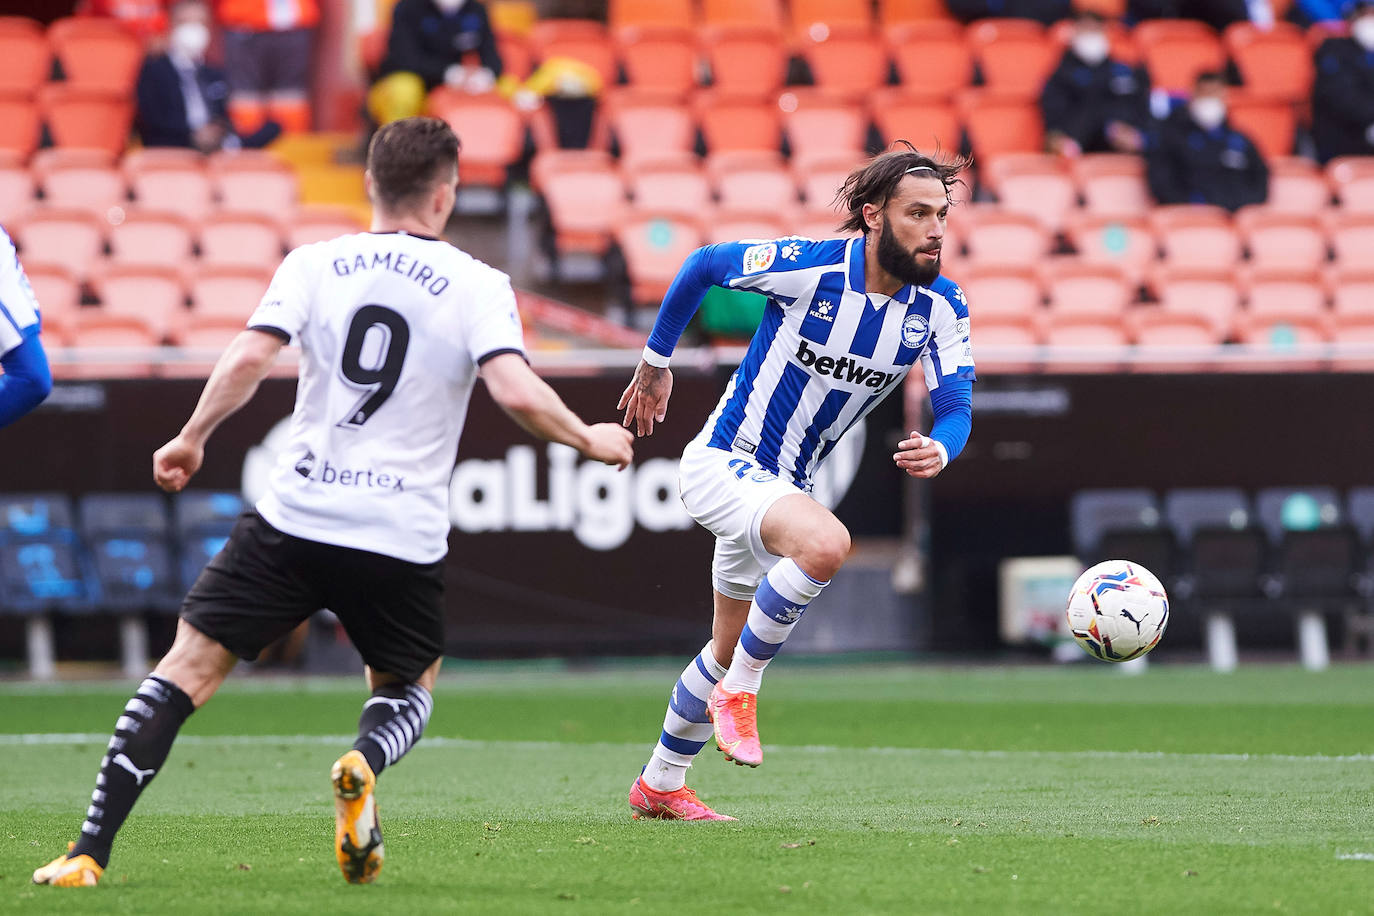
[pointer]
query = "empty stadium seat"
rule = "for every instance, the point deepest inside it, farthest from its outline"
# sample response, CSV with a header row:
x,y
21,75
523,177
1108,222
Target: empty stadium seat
x,y
1035,184
125,343
96,53
83,179
821,128
1296,185
57,290
927,121
680,189
18,187
320,223
253,183
673,14
1014,56
1207,293
727,225
752,180
1088,289
765,14
578,39
815,17
73,239
654,247
127,534
170,180
151,238
909,12
732,123
1003,291
41,568
1280,290
1271,124
25,58
1352,290
1000,123
90,118
659,59
1195,235
23,124
249,239
1112,184
1098,514
584,195
996,236
745,61
491,131
1282,240
821,179
228,291
1125,243
1082,342
649,127
1352,237
847,60
154,294
1352,178
1274,61
202,521
1175,51
931,57
1006,343
1172,341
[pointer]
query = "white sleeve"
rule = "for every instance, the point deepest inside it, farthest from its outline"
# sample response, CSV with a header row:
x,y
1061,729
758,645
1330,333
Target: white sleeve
x,y
492,322
285,307
18,309
950,353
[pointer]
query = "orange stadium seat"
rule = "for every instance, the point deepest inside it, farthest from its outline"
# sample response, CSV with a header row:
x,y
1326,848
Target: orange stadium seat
x,y
818,127
154,294
579,39
752,181
997,123
745,61
1195,235
517,56
659,59
74,239
648,127
819,224
229,291
1112,184
1004,237
491,131
1352,237
210,334
1352,178
23,124
847,60
87,118
1127,244
1271,124
80,179
736,124
678,189
96,53
1006,343
1277,291
1351,332
1175,51
1152,327
766,14
1032,183
821,179
654,246
1015,56
931,57
673,14
1081,340
18,187
57,290
584,195
25,58
1003,291
1281,333
903,12
1287,240
320,223
150,238
1088,289
173,180
726,225
253,183
1352,290
1274,62
1210,293
1297,185
812,18
92,328
240,239
928,122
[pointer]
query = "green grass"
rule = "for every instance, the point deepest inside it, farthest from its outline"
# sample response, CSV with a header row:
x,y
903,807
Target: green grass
x,y
885,789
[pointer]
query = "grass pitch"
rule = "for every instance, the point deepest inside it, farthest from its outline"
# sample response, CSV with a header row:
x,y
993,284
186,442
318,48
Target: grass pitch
x,y
884,789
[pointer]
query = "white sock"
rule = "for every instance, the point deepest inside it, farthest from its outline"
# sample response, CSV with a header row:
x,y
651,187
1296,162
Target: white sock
x,y
686,729
777,606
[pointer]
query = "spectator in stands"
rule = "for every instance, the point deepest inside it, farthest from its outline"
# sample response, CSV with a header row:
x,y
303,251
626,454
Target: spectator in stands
x,y
1310,12
1046,11
1195,157
182,100
146,19
429,42
1093,103
267,55
1343,94
1216,13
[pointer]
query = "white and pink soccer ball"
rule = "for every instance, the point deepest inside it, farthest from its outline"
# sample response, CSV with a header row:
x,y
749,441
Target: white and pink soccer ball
x,y
1118,611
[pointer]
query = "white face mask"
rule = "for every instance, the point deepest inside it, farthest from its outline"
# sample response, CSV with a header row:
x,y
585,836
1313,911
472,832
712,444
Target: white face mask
x,y
449,6
1362,30
191,39
1209,112
1091,47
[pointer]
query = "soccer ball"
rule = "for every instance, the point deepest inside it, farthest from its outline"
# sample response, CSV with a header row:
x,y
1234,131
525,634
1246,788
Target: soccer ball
x,y
1118,611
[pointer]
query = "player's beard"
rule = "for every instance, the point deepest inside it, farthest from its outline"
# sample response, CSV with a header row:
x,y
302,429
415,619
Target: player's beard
x,y
903,265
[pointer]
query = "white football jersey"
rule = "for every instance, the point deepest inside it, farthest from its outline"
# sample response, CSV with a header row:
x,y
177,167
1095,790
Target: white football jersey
x,y
18,307
392,329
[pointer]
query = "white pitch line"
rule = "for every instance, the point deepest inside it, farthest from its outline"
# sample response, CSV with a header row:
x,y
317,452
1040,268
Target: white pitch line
x,y
71,738
1356,857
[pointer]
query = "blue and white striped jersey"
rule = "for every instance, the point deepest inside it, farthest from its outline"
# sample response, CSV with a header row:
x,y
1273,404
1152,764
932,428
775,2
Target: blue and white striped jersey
x,y
826,352
18,307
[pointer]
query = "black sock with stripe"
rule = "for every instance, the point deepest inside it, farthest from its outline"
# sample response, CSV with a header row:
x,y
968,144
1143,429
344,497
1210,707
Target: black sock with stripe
x,y
392,721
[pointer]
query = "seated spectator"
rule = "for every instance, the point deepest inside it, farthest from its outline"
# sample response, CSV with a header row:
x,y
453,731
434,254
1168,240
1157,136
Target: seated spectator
x,y
182,100
1195,157
267,56
429,42
1092,103
145,19
1046,11
1310,12
1216,13
1343,94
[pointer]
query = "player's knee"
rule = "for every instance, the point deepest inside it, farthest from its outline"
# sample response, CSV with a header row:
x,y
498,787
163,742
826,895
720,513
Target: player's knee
x,y
826,551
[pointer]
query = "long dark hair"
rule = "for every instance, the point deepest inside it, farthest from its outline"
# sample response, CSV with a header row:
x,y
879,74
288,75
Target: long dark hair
x,y
875,181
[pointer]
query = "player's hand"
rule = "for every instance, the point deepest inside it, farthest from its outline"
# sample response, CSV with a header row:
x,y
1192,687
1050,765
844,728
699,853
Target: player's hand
x,y
610,444
176,462
918,456
646,398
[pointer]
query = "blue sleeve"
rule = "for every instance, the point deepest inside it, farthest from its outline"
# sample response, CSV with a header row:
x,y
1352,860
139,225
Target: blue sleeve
x,y
27,379
703,269
952,404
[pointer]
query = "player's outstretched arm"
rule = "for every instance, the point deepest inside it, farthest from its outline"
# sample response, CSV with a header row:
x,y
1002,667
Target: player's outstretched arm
x,y
242,366
646,397
535,406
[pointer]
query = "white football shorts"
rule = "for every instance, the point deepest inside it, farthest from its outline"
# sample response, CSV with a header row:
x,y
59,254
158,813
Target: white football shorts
x,y
728,494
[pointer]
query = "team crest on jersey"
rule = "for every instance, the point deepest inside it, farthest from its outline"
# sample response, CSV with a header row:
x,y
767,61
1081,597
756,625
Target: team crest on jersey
x,y
915,331
759,257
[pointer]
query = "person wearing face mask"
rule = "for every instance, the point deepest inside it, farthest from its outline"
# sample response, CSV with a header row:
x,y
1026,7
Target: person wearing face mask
x,y
182,100
1196,157
1343,94
1092,103
431,44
